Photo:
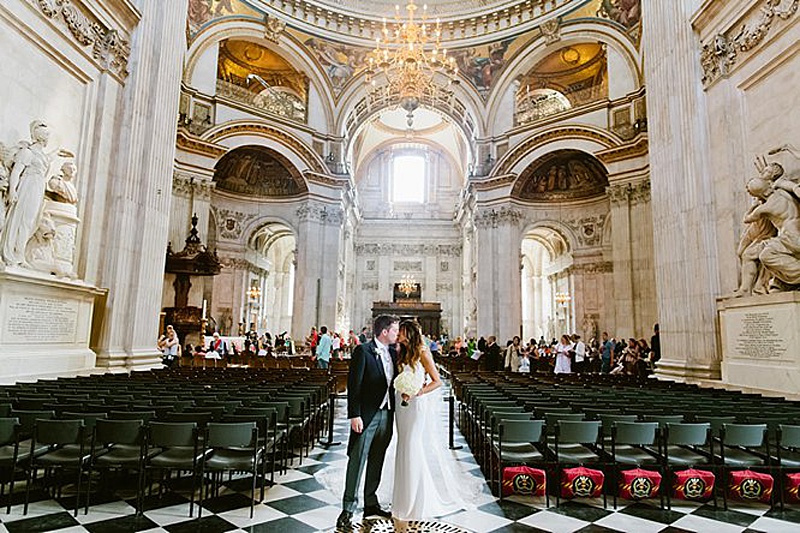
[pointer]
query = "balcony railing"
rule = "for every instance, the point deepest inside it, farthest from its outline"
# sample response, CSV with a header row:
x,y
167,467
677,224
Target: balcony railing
x,y
270,101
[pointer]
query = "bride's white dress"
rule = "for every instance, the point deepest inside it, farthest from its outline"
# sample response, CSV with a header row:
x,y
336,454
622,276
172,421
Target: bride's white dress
x,y
423,482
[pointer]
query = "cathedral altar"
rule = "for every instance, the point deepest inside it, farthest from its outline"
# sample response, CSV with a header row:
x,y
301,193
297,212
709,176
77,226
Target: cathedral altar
x,y
428,314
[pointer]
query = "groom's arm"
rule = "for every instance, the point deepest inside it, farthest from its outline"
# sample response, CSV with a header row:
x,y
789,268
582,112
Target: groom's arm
x,y
355,378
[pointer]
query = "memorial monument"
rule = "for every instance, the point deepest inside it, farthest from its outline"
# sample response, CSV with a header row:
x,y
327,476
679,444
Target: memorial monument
x,y
45,312
760,322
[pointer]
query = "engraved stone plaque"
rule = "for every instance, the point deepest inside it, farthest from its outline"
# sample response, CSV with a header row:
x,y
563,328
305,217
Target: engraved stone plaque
x,y
37,319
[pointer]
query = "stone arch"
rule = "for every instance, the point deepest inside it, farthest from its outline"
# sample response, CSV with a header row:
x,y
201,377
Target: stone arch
x,y
287,46
579,137
242,132
552,231
573,33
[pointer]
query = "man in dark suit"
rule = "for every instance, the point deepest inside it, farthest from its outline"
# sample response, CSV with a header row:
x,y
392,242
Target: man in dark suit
x,y
494,357
370,408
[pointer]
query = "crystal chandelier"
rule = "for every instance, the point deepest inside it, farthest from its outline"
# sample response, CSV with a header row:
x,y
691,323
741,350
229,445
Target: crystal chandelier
x,y
407,285
409,53
562,298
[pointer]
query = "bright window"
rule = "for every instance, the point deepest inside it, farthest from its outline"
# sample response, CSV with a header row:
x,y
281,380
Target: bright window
x,y
408,179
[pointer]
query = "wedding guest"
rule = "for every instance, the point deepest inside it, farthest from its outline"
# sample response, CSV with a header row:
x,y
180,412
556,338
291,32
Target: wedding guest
x,y
563,359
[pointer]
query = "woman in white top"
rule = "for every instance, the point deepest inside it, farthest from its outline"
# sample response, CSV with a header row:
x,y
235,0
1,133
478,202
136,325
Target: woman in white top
x,y
563,359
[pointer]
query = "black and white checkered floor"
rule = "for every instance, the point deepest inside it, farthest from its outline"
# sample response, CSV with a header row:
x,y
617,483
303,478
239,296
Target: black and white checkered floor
x,y
301,502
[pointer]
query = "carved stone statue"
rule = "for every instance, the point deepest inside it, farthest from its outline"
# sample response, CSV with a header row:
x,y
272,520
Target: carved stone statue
x,y
26,186
769,249
60,188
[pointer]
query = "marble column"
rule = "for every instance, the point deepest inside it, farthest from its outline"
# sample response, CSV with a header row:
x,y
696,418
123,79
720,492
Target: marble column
x,y
319,238
137,225
498,290
621,253
682,196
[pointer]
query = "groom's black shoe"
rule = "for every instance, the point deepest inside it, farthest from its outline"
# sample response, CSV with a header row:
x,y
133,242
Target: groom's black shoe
x,y
345,521
375,510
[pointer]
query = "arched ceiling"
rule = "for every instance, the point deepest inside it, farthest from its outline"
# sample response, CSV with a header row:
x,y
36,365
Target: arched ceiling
x,y
445,8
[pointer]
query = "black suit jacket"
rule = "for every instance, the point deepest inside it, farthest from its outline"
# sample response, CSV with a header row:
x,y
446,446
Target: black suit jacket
x,y
366,382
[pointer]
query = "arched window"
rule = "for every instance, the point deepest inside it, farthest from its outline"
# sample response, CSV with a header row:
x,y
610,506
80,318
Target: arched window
x,y
408,178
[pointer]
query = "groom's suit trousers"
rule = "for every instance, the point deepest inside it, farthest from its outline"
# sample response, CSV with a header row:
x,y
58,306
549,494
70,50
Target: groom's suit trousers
x,y
368,448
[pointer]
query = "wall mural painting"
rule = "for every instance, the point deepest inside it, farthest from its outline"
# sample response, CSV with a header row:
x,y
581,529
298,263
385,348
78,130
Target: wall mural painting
x,y
481,65
340,61
625,12
259,172
201,12
562,175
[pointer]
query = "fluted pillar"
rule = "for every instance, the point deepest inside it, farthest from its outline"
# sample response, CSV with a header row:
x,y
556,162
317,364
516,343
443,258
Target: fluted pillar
x,y
319,238
137,225
621,253
498,279
683,227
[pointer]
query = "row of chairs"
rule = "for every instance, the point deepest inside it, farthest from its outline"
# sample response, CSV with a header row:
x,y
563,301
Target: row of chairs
x,y
248,443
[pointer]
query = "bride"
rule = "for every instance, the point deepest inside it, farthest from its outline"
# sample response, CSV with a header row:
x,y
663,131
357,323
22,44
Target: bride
x,y
423,479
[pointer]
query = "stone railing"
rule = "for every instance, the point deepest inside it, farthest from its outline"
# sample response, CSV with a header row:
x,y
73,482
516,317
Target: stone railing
x,y
530,108
269,101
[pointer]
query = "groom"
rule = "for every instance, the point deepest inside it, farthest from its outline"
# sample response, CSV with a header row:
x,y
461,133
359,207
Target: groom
x,y
370,407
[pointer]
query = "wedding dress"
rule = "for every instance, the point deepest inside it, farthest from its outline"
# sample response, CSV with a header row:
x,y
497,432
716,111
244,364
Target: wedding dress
x,y
424,482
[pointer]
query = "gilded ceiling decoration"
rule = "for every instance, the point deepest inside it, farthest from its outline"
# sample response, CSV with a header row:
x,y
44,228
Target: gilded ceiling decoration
x,y
483,35
569,77
258,172
562,175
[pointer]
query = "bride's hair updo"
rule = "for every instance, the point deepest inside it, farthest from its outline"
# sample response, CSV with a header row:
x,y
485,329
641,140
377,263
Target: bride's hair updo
x,y
411,348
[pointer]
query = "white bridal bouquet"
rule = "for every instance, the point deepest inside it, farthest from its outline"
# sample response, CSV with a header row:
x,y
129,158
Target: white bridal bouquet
x,y
409,383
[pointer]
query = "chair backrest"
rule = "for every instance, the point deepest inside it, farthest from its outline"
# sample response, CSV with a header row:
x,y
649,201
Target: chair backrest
x,y
635,433
226,435
144,416
607,421
663,420
8,430
171,434
683,434
748,435
521,430
27,419
119,431
716,422
49,431
577,431
789,436
554,418
89,419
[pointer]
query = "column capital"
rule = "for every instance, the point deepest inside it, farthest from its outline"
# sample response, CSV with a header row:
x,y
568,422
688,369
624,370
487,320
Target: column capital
x,y
494,218
186,184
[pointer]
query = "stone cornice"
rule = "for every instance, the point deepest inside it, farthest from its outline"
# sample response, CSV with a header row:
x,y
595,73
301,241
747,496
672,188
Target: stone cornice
x,y
190,143
326,179
408,250
494,183
108,46
237,263
638,147
721,52
328,215
600,267
487,218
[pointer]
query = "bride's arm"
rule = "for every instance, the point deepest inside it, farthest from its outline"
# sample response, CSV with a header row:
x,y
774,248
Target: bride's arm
x,y
430,368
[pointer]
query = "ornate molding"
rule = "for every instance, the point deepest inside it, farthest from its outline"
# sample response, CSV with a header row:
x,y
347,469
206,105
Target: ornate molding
x,y
494,218
494,183
325,214
444,287
231,224
640,192
428,250
719,55
189,143
273,28
369,286
407,266
185,185
600,267
308,155
629,193
588,230
237,263
551,31
109,48
638,148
